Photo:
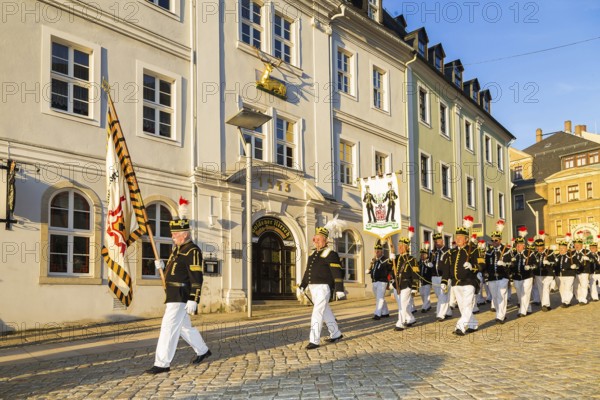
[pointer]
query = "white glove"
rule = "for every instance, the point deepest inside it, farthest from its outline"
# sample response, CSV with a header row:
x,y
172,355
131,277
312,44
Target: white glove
x,y
500,263
573,266
191,306
546,262
413,291
479,276
159,264
392,256
527,268
340,295
585,258
429,264
444,287
468,266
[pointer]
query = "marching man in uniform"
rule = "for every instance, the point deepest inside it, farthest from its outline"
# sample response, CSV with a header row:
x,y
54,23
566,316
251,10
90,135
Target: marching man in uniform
x,y
565,267
461,267
542,271
442,309
405,283
183,276
583,273
425,271
594,269
496,274
522,275
380,270
323,274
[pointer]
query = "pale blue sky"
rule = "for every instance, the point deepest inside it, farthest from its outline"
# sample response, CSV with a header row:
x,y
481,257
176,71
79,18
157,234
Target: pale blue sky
x,y
537,91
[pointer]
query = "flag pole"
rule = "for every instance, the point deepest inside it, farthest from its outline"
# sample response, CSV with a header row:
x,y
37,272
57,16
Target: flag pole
x,y
106,88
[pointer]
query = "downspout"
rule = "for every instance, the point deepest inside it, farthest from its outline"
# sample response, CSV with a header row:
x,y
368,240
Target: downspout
x,y
194,153
332,86
411,147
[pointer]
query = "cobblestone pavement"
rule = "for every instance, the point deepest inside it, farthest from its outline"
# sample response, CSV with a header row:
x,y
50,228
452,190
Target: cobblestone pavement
x,y
552,354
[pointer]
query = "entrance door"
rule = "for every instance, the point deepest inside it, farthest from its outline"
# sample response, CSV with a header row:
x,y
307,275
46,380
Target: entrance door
x,y
273,268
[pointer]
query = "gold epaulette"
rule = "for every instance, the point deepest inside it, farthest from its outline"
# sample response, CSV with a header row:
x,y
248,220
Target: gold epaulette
x,y
325,253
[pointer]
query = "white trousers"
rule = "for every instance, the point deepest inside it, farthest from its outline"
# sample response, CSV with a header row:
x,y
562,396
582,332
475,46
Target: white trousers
x,y
543,284
381,307
480,298
176,322
465,297
322,313
499,291
523,289
594,282
404,311
441,309
566,288
535,294
425,292
583,283
452,302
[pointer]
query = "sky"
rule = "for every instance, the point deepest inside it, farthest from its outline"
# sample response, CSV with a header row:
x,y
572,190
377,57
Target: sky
x,y
540,90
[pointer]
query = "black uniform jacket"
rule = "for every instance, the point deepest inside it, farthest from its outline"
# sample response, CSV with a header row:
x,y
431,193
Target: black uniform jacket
x,y
406,275
380,270
184,274
454,261
324,267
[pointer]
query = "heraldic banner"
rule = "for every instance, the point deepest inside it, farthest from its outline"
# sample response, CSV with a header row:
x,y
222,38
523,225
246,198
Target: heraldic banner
x,y
381,206
125,221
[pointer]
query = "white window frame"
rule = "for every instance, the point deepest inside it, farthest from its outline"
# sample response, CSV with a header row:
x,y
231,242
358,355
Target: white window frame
x,y
427,232
173,10
157,106
487,145
349,74
558,226
253,26
386,162
557,191
489,200
159,238
373,10
569,199
282,40
429,186
71,233
50,35
383,89
501,205
469,133
448,180
471,186
589,190
350,166
298,163
516,203
355,256
445,112
427,120
500,156
518,173
142,69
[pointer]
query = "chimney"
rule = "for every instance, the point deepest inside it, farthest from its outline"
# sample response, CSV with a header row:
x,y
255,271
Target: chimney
x,y
578,130
568,126
583,128
538,135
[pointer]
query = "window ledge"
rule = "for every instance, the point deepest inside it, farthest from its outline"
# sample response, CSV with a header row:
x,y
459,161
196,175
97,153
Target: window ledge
x,y
251,50
470,150
428,190
70,116
60,280
160,139
471,207
447,137
348,95
427,124
449,199
381,110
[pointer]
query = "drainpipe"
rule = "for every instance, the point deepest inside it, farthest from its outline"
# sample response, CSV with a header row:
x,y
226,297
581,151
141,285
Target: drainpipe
x,y
411,185
193,82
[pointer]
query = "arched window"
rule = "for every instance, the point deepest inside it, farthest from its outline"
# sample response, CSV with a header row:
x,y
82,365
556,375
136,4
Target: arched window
x,y
158,219
348,250
70,234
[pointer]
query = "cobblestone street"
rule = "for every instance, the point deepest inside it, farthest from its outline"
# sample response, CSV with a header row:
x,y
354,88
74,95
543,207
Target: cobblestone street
x,y
545,355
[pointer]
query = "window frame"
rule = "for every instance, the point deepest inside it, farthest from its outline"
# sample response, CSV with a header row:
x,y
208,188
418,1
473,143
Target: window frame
x,y
589,190
157,105
569,162
281,39
500,157
382,90
573,193
501,205
469,138
293,145
447,194
424,106
345,256
347,73
344,144
252,25
159,238
427,174
444,125
386,162
518,173
519,205
559,227
472,187
557,195
489,200
487,145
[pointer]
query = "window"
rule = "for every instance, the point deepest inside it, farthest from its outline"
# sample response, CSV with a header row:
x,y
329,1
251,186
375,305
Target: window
x,y
158,219
444,120
348,252
448,241
166,4
489,201
589,191
519,202
501,209
378,92
427,236
257,142
421,47
158,108
70,234
488,149
590,219
346,163
470,192
446,181
518,172
373,10
457,77
486,104
594,157
425,171
70,77
283,39
251,23
572,223
500,156
381,163
581,160
559,228
573,193
438,62
556,195
285,143
569,162
343,71
474,95
423,105
468,135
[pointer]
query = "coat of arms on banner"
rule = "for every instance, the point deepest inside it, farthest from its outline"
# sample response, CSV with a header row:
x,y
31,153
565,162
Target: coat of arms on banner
x,y
381,206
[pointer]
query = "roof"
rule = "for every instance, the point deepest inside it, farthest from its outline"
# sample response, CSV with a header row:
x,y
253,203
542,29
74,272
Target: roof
x,y
547,153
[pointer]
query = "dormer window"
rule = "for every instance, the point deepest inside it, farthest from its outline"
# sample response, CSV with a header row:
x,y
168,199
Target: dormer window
x,y
486,105
373,10
457,77
474,95
422,48
438,62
